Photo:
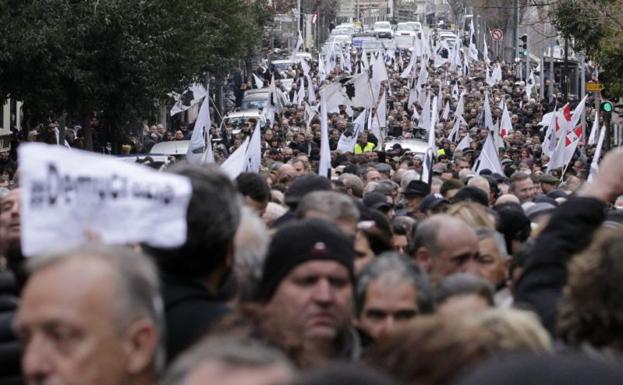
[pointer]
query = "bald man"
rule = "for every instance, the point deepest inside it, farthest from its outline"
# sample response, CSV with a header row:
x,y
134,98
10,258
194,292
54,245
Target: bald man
x,y
444,245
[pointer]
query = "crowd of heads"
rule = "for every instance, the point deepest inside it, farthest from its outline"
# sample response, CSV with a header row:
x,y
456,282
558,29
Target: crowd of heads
x,y
285,274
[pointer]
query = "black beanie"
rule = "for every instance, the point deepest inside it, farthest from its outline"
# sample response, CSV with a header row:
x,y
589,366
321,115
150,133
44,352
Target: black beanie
x,y
299,242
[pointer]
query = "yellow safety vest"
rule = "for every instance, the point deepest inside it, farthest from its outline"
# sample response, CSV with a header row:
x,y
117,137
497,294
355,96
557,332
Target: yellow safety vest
x,y
368,148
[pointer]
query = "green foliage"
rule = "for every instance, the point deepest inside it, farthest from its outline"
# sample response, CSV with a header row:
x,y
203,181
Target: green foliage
x,y
117,56
595,26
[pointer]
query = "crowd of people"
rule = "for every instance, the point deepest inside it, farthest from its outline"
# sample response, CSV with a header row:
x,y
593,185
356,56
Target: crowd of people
x,y
374,275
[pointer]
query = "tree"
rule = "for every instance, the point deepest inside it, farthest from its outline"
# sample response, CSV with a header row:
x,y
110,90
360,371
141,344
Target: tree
x,y
117,57
596,27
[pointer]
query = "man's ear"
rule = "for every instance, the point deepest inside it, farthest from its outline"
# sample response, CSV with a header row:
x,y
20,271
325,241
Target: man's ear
x,y
423,259
141,345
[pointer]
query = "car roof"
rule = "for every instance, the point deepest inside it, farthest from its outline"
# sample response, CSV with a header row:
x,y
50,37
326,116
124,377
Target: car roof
x,y
250,113
173,147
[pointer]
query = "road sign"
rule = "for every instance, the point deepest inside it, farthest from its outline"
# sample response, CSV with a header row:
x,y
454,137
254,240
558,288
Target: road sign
x,y
594,87
497,34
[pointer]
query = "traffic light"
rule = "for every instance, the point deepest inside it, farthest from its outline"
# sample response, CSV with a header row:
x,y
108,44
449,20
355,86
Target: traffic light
x,y
523,46
607,107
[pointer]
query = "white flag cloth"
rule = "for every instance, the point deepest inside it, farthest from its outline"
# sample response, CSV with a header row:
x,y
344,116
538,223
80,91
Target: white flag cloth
x,y
446,112
347,143
530,84
379,120
237,161
455,60
464,143
430,150
485,52
259,83
568,140
310,113
497,73
379,74
473,51
455,91
311,93
425,115
592,139
488,116
506,124
200,138
488,158
188,98
358,91
549,143
598,149
71,195
300,95
324,166
460,107
410,69
334,95
322,73
254,151
299,44
454,133
442,54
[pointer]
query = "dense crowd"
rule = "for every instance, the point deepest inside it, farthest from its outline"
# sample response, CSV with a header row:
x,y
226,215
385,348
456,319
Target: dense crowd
x,y
375,275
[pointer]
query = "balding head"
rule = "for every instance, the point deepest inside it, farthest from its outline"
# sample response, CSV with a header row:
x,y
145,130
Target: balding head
x,y
507,198
481,183
444,245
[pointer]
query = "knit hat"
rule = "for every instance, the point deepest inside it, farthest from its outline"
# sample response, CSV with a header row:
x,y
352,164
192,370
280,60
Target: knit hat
x,y
300,242
303,185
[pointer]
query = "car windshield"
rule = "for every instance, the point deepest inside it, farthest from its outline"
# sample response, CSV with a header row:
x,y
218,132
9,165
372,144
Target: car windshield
x,y
254,103
382,25
405,27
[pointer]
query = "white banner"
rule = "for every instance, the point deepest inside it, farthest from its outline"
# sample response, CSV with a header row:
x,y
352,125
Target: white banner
x,y
68,197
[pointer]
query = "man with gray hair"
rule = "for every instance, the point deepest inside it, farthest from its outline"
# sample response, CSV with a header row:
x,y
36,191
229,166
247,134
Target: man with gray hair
x,y
444,245
390,292
493,261
230,361
331,206
92,315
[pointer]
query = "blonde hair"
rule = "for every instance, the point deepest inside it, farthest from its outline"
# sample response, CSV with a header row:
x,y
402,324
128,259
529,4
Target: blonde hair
x,y
512,330
474,214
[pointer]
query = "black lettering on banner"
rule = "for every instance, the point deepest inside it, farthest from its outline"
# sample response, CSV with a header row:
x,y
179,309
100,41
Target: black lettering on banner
x,y
56,188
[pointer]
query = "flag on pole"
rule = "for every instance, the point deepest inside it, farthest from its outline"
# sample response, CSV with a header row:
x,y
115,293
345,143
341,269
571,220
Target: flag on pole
x,y
473,51
488,115
593,137
455,91
237,161
597,155
549,143
200,142
299,44
446,112
188,98
464,143
254,151
324,166
530,84
430,151
485,52
425,115
259,83
506,124
488,158
568,140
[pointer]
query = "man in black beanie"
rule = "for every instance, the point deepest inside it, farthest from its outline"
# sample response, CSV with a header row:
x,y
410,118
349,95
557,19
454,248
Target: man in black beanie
x,y
307,287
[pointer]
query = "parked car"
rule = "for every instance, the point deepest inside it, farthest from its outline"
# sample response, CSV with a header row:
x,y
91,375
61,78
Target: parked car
x,y
383,29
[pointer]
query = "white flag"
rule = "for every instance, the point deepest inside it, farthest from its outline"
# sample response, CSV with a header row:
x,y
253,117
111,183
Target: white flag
x,y
259,83
454,134
188,98
464,143
506,124
488,158
595,162
446,111
460,107
426,113
298,45
300,95
69,195
486,51
254,151
430,150
488,116
593,138
379,74
322,73
237,161
347,143
324,165
549,143
455,91
530,84
473,51
200,138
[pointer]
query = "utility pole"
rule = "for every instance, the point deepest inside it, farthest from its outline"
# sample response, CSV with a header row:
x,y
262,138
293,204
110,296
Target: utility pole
x,y
515,26
552,76
542,77
565,75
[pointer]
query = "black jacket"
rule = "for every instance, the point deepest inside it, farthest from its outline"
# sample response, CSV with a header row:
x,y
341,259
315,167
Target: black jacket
x,y
570,230
190,312
10,348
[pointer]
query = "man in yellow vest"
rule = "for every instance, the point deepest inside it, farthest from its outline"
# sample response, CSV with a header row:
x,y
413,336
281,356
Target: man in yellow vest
x,y
363,145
